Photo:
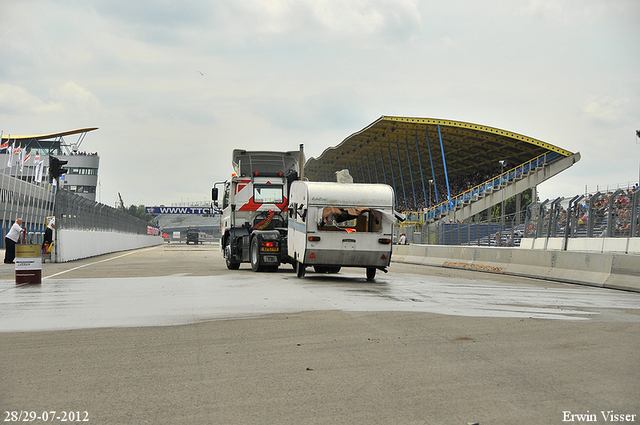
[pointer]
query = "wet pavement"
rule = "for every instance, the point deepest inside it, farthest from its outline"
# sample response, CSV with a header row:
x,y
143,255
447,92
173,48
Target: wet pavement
x,y
70,298
169,335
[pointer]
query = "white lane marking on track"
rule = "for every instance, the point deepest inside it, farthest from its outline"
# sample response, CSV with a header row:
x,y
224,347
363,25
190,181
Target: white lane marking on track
x,y
98,262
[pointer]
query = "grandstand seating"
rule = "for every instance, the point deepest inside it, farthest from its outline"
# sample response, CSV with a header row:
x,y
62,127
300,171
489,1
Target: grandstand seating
x,y
504,185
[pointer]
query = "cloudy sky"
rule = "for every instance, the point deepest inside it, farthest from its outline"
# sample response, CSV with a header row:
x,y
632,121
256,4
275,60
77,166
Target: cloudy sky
x,y
174,86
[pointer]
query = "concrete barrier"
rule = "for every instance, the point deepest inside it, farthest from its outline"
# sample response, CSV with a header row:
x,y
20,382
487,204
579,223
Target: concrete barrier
x,y
75,244
625,273
609,270
621,245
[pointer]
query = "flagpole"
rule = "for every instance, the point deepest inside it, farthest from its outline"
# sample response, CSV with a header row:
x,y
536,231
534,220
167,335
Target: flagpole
x,y
30,204
10,193
4,215
16,188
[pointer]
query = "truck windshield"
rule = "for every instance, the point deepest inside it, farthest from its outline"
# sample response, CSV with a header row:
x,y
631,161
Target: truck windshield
x,y
267,194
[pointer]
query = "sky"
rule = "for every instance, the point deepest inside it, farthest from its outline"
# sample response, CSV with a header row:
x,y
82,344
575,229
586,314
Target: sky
x,y
174,87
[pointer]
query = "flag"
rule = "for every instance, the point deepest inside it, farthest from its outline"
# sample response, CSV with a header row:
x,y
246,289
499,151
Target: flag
x,y
11,152
21,158
4,145
37,172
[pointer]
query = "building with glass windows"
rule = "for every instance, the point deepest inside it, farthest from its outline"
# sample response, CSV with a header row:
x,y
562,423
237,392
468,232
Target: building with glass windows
x,y
27,158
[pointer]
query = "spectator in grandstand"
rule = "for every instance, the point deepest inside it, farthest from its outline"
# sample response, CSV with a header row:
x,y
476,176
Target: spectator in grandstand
x,y
624,229
498,239
583,218
509,241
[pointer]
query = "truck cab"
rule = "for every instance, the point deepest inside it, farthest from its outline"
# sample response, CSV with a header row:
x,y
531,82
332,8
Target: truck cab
x,y
253,224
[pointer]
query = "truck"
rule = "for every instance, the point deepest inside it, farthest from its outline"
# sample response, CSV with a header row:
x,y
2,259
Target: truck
x,y
192,235
253,223
334,225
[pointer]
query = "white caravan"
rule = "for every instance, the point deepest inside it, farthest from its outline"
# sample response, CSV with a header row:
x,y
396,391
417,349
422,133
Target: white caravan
x,y
334,225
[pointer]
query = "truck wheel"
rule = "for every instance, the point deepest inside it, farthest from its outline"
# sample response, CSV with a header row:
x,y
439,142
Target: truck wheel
x,y
371,273
300,270
231,264
321,269
335,269
255,256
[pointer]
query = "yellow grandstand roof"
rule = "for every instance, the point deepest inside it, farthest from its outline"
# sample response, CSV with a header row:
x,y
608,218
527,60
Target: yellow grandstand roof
x,y
399,145
50,135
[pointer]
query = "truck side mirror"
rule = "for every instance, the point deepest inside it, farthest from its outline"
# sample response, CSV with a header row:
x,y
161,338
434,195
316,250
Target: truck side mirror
x,y
214,194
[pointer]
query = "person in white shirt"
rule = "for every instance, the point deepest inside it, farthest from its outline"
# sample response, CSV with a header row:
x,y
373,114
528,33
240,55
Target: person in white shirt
x,y
10,241
48,233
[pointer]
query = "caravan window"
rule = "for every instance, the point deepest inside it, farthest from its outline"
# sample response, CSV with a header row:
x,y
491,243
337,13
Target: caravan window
x,y
267,194
360,219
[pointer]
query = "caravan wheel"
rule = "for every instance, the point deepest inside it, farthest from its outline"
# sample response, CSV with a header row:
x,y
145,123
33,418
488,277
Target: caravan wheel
x,y
300,270
371,273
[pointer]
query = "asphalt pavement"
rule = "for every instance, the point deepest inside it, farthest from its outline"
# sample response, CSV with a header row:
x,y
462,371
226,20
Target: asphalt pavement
x,y
200,344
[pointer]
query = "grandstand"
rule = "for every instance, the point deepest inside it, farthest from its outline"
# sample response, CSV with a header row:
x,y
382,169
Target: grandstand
x,y
442,169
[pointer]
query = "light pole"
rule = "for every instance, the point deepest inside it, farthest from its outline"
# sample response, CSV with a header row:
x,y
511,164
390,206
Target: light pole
x,y
503,164
638,143
427,220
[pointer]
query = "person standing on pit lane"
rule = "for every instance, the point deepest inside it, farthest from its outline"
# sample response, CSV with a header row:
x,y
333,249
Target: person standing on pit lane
x,y
48,233
10,241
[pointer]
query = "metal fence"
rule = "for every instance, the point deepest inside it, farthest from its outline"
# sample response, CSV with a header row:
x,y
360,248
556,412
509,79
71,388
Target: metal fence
x,y
34,202
30,202
75,212
613,214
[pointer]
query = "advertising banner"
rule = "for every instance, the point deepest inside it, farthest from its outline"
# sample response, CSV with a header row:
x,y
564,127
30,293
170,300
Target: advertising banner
x,y
179,210
28,264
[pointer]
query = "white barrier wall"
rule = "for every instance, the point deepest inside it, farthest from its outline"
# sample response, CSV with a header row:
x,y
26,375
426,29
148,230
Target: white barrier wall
x,y
622,245
75,244
609,270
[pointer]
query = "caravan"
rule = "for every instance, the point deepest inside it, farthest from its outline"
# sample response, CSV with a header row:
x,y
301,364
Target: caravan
x,y
334,225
